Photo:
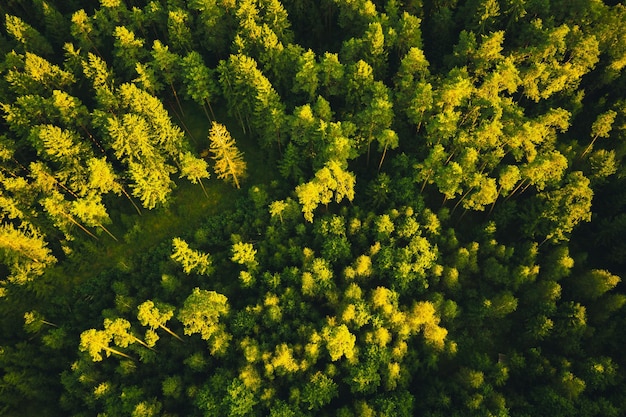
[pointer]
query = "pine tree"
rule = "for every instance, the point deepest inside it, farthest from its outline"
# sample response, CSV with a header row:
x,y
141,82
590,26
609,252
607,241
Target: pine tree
x,y
24,251
167,64
128,49
198,80
229,163
29,38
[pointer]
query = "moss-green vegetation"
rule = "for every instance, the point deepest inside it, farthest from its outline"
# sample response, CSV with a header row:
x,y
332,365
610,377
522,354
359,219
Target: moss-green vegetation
x,y
312,208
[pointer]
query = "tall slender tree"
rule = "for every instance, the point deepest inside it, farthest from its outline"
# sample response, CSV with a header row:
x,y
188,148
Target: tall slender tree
x,y
229,163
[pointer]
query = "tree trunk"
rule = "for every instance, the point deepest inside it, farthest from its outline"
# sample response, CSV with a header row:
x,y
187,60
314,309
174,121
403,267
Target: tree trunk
x,y
171,332
382,158
588,148
203,189
130,199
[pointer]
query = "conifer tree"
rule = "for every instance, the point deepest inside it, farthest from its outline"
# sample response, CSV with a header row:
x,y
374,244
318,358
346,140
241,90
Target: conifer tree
x,y
332,180
198,80
24,251
167,64
229,163
29,38
129,49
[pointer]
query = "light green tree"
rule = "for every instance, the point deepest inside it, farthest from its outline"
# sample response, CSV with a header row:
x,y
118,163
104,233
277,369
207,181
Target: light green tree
x,y
120,330
194,169
26,35
332,180
24,250
198,80
91,211
307,79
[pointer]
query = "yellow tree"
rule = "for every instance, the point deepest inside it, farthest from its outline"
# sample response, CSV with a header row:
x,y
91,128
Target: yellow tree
x,y
229,163
190,259
155,317
201,313
95,341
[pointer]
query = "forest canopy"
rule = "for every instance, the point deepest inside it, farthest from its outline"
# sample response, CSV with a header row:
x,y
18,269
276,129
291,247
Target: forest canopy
x,y
312,208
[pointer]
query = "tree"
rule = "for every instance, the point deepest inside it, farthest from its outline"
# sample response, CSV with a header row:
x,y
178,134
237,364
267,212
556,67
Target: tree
x,y
332,180
319,391
414,94
229,163
167,63
145,138
339,342
370,48
84,32
409,33
388,139
252,98
178,28
198,80
96,69
191,260
240,400
201,313
601,128
376,118
32,74
120,330
162,133
277,208
594,284
151,184
566,207
213,24
129,49
57,207
194,169
24,251
331,74
95,341
91,211
244,254
29,38
103,179
155,317
307,80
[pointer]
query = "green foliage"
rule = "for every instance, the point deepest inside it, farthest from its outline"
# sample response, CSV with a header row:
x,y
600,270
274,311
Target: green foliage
x,y
474,269
201,313
331,181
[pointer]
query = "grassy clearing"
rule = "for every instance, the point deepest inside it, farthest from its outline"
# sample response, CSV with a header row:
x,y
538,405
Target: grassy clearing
x,y
187,208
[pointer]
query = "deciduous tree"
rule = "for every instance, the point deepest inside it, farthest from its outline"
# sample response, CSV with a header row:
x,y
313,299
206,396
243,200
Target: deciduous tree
x,y
190,259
